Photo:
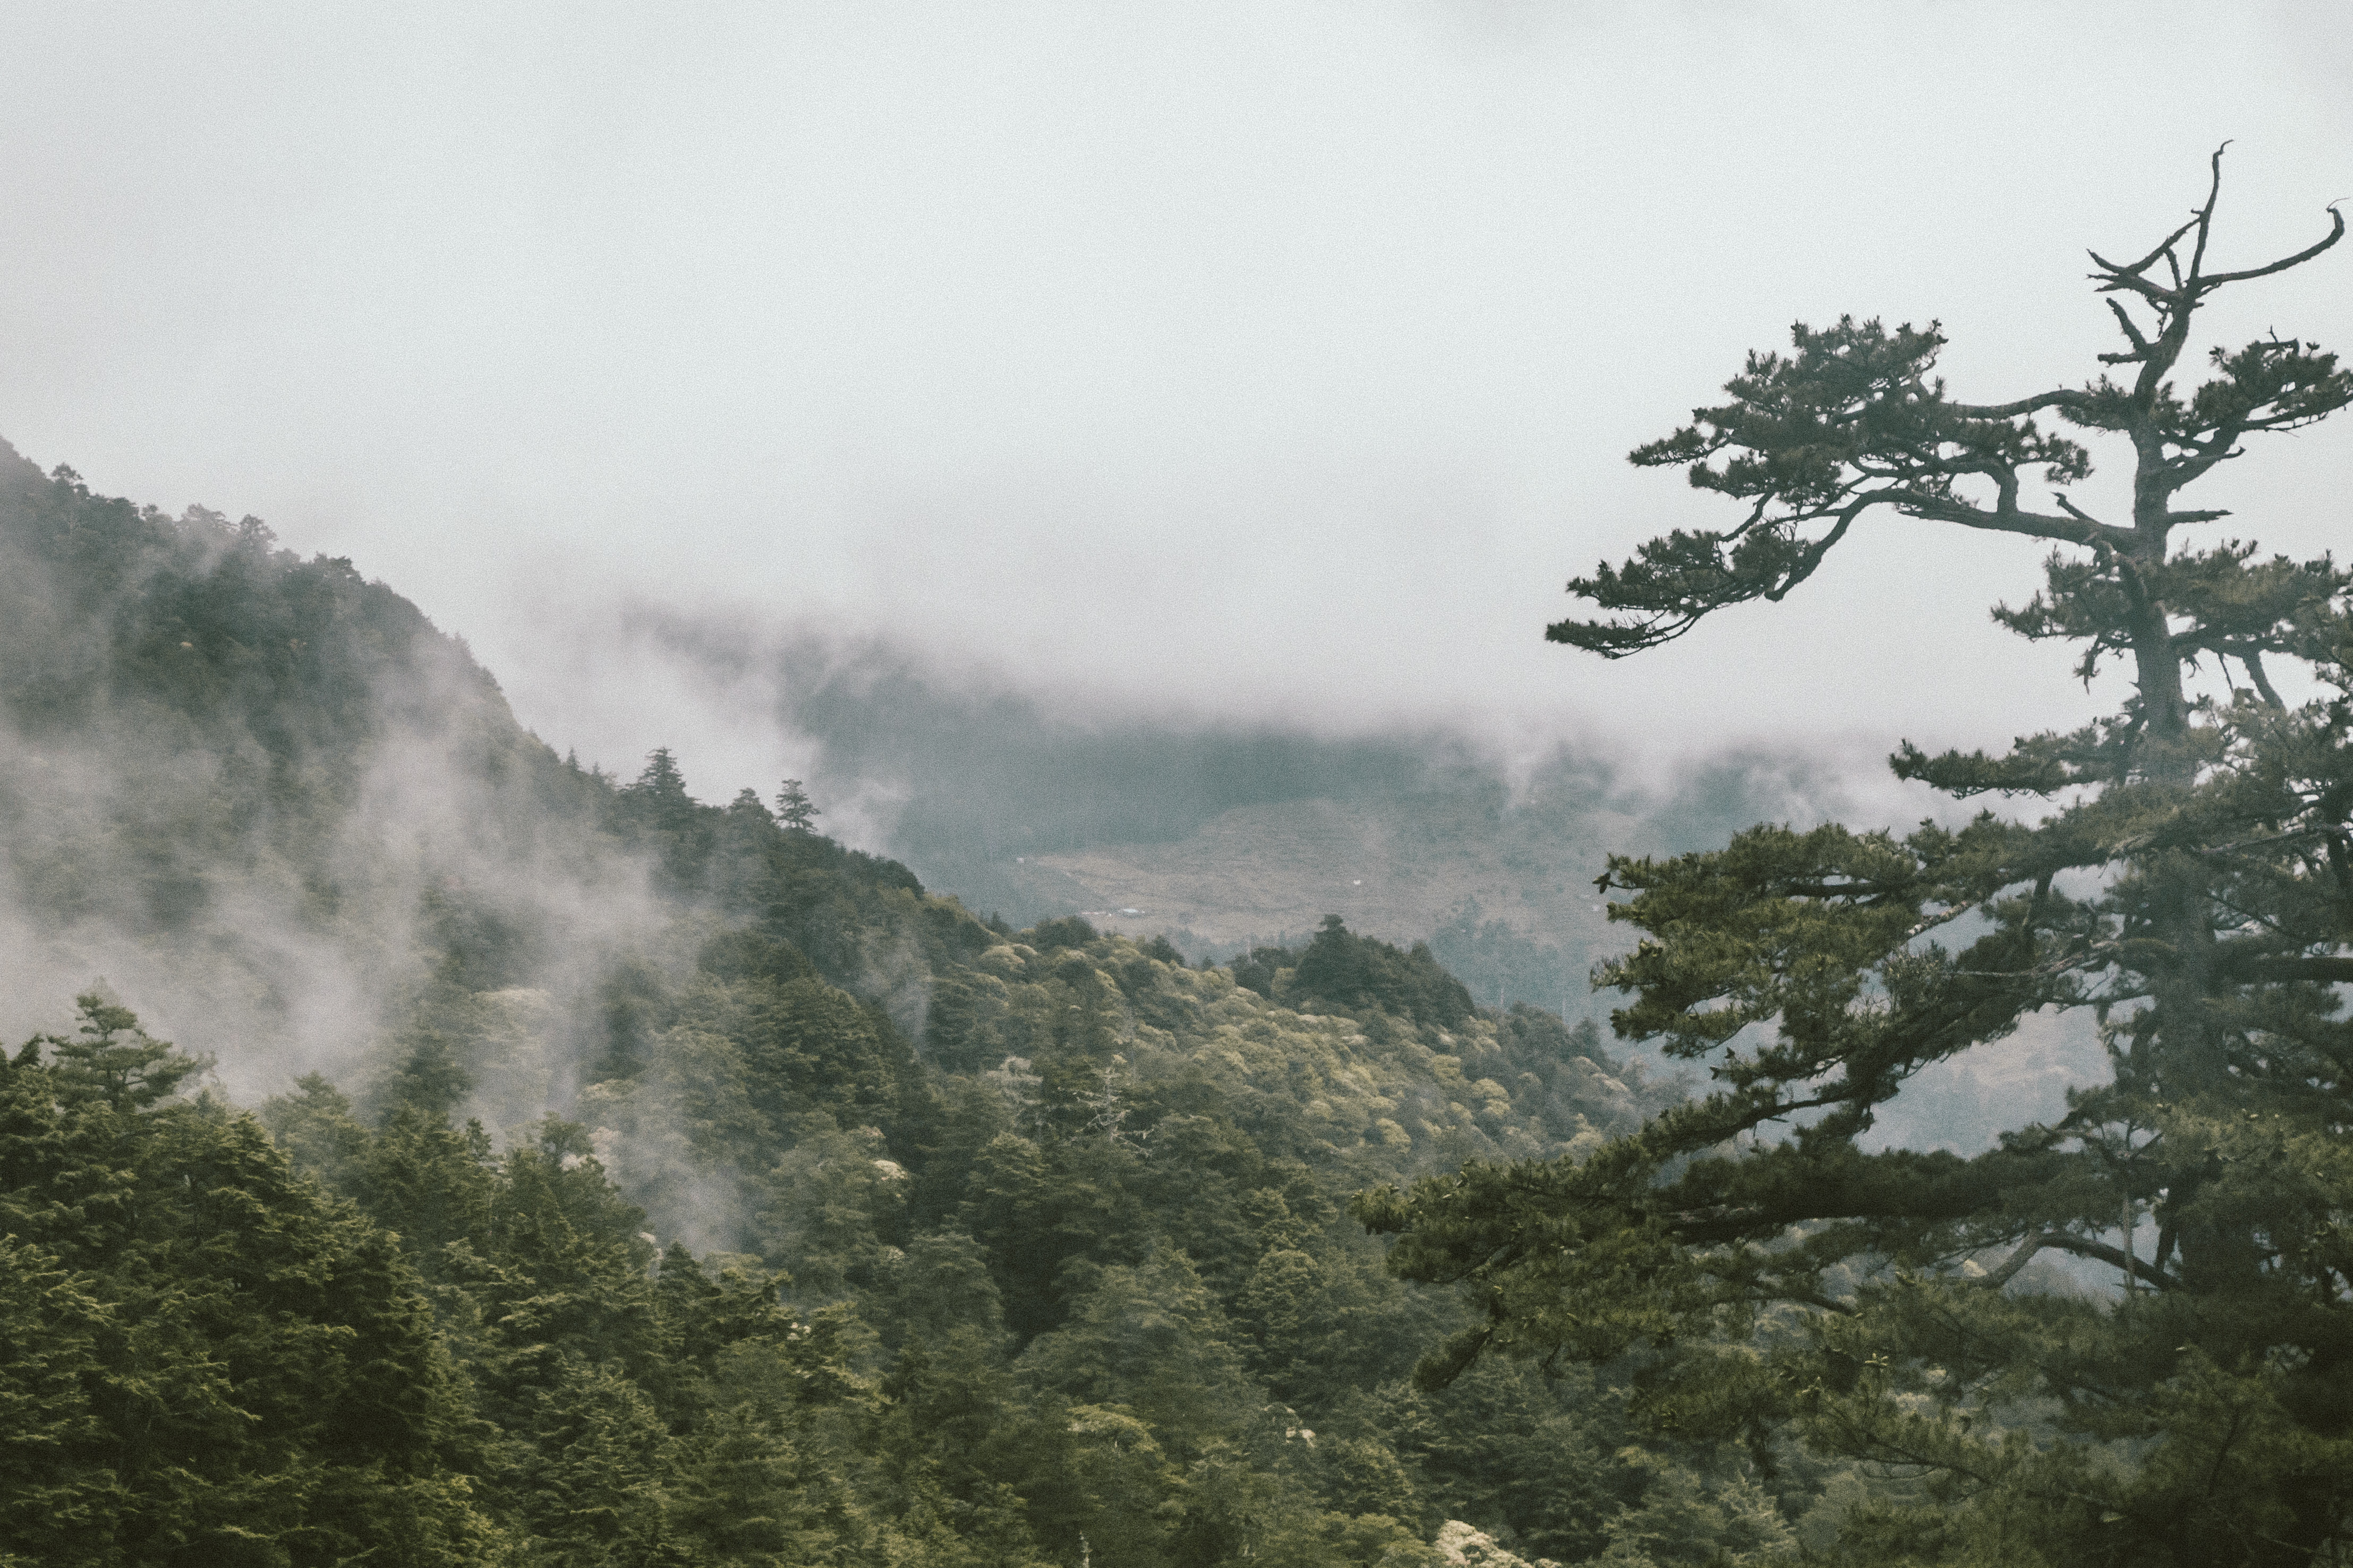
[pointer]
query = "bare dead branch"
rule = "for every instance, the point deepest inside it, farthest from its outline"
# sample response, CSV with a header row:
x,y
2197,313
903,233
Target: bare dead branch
x,y
2062,397
2077,512
2114,1257
2131,332
2146,262
2036,525
2013,1263
2254,660
2336,233
2205,217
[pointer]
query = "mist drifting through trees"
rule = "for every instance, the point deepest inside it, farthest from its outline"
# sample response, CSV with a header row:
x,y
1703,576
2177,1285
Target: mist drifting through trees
x,y
1005,948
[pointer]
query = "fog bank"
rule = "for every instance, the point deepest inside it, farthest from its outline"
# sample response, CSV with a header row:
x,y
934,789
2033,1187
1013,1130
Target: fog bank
x,y
1272,363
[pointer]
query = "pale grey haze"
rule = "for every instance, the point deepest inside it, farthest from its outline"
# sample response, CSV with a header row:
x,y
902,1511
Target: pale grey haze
x,y
1243,364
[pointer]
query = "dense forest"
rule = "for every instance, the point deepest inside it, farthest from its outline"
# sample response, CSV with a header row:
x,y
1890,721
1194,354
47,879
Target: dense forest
x,y
567,1170
556,1168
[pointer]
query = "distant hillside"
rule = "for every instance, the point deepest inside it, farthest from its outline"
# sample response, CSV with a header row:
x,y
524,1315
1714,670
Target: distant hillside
x,y
639,1178
1406,866
1497,879
1223,834
267,797
230,774
645,1179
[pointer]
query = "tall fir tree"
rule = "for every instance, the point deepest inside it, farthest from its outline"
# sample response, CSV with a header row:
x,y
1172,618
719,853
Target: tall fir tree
x,y
2190,884
794,809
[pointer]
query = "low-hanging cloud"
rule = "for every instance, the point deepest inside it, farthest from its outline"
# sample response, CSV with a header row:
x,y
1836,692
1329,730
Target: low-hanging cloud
x,y
1066,426
239,792
1270,362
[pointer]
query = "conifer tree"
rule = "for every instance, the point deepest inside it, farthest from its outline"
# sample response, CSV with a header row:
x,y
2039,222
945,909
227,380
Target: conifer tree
x,y
110,1059
203,1358
2190,882
794,809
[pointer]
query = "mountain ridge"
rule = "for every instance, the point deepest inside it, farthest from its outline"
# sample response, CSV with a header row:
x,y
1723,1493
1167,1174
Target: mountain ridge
x,y
737,1198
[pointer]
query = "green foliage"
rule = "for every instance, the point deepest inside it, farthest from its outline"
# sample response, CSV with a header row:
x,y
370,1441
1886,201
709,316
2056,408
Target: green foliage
x,y
2190,887
795,810
1090,1302
111,1060
866,1231
1340,969
1685,1518
1343,969
206,1361
1095,1311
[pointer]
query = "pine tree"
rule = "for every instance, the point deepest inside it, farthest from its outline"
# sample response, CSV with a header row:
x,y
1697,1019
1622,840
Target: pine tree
x,y
109,1058
2191,885
659,812
794,808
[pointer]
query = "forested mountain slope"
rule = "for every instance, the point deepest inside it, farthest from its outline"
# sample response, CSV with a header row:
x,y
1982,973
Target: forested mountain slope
x,y
233,779
1223,834
683,1187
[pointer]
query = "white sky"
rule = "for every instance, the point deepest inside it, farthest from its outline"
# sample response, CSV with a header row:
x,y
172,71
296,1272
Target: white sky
x,y
1261,359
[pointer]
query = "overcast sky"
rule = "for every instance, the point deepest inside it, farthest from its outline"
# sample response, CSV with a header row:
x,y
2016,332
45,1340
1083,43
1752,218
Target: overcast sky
x,y
1256,360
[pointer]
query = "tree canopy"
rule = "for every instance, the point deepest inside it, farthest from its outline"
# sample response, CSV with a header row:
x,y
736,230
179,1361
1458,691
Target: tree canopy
x,y
2189,884
864,1231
